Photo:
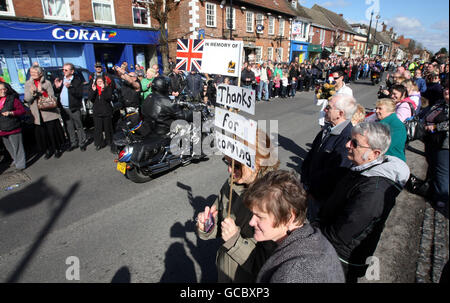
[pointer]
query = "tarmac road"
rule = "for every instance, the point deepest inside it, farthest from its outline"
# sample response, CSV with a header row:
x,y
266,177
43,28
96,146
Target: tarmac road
x,y
81,206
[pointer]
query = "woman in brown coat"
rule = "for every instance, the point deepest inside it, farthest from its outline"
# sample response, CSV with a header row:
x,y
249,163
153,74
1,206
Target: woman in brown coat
x,y
48,130
240,257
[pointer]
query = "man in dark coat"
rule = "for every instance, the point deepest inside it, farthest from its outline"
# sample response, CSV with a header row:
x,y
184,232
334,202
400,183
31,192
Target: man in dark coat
x,y
194,85
70,93
328,153
353,218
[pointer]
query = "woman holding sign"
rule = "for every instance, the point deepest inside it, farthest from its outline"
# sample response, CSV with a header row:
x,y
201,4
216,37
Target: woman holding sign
x,y
240,257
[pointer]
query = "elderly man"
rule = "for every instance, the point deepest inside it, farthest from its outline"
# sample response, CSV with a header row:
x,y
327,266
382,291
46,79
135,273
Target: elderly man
x,y
353,218
328,152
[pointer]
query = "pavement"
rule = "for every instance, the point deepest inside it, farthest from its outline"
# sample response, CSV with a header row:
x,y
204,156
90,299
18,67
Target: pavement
x,y
80,206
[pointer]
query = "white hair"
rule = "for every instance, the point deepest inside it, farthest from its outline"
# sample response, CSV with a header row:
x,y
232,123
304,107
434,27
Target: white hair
x,y
378,135
346,103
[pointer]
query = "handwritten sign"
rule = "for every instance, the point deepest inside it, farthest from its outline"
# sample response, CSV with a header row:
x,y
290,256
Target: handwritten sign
x,y
236,150
236,124
236,97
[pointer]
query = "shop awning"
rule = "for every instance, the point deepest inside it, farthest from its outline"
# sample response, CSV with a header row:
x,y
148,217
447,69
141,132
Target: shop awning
x,y
315,48
329,49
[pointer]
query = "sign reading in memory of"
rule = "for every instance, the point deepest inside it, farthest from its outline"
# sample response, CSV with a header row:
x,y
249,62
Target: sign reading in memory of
x,y
236,97
236,150
222,57
236,124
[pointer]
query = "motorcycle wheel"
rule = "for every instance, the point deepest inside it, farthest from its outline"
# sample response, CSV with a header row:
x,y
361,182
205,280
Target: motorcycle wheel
x,y
136,176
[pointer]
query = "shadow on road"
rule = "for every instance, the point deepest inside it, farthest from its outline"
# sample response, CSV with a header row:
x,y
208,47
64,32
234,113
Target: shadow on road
x,y
123,275
179,267
27,197
299,152
15,276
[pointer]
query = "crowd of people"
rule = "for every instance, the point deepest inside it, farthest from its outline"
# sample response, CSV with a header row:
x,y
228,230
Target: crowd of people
x,y
319,226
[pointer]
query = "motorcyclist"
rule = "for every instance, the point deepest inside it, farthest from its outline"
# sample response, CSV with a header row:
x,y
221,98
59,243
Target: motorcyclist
x,y
159,111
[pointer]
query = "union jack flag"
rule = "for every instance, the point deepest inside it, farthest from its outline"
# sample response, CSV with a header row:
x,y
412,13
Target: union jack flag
x,y
189,55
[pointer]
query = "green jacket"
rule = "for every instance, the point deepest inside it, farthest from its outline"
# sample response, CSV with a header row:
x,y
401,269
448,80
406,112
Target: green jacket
x,y
398,136
240,258
146,90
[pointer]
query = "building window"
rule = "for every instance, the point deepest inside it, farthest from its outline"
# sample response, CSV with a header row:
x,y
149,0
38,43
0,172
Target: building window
x,y
6,8
322,36
270,53
348,37
281,28
249,21
259,21
210,15
271,25
258,54
305,30
279,54
56,9
103,11
230,18
141,15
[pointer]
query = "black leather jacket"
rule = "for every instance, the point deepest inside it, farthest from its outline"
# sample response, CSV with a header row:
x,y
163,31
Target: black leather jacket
x,y
159,111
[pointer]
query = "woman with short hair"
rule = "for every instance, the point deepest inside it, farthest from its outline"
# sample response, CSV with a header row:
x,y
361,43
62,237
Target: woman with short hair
x,y
303,255
48,130
240,257
385,112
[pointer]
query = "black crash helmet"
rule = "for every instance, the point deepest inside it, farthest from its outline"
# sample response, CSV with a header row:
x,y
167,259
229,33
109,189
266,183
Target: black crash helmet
x,y
161,85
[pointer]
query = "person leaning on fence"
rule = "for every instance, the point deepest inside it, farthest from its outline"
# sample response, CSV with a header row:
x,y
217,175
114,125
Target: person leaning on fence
x,y
277,201
353,217
240,257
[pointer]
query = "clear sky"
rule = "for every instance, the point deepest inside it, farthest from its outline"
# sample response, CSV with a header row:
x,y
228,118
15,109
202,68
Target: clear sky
x,y
426,22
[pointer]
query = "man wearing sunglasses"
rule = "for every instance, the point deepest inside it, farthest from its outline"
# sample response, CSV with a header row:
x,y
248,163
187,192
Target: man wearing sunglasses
x,y
353,218
70,93
328,153
341,87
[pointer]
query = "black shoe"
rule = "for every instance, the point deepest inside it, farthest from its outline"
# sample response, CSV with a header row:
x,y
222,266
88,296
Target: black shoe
x,y
83,146
72,147
48,155
58,154
98,147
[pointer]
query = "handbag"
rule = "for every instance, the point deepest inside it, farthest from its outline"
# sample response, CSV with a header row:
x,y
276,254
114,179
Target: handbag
x,y
47,103
415,130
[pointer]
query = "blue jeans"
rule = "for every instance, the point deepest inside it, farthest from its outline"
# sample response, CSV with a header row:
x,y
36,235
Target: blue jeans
x,y
438,162
263,86
293,89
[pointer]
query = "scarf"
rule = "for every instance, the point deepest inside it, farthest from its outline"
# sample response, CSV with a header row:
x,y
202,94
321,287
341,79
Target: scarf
x,y
99,89
44,93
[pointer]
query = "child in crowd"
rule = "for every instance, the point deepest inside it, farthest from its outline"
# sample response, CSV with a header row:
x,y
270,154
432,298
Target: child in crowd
x,y
284,84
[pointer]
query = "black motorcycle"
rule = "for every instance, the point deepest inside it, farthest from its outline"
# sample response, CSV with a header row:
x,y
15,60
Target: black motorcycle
x,y
143,155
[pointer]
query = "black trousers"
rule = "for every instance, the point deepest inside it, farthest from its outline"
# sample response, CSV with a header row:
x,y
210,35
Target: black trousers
x,y
49,136
103,125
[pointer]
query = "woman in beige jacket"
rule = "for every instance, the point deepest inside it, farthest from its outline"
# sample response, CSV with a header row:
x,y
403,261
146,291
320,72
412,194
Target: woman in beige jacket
x,y
240,257
48,130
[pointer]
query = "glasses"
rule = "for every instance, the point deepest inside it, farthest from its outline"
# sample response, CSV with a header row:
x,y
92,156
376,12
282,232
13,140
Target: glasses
x,y
354,143
228,162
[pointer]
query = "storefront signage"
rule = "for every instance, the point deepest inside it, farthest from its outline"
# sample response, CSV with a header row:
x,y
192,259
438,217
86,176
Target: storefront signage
x,y
34,31
82,34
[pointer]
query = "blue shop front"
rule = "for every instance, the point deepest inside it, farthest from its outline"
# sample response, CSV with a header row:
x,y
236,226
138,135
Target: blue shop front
x,y
299,50
49,44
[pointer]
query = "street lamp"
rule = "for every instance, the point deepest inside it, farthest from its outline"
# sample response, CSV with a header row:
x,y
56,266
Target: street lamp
x,y
375,34
368,33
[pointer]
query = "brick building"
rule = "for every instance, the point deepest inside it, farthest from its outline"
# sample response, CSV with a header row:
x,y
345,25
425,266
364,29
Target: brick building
x,y
343,36
263,25
52,32
320,35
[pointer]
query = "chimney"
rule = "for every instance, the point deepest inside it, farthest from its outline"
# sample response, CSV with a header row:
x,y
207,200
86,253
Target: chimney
x,y
341,15
384,27
391,29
